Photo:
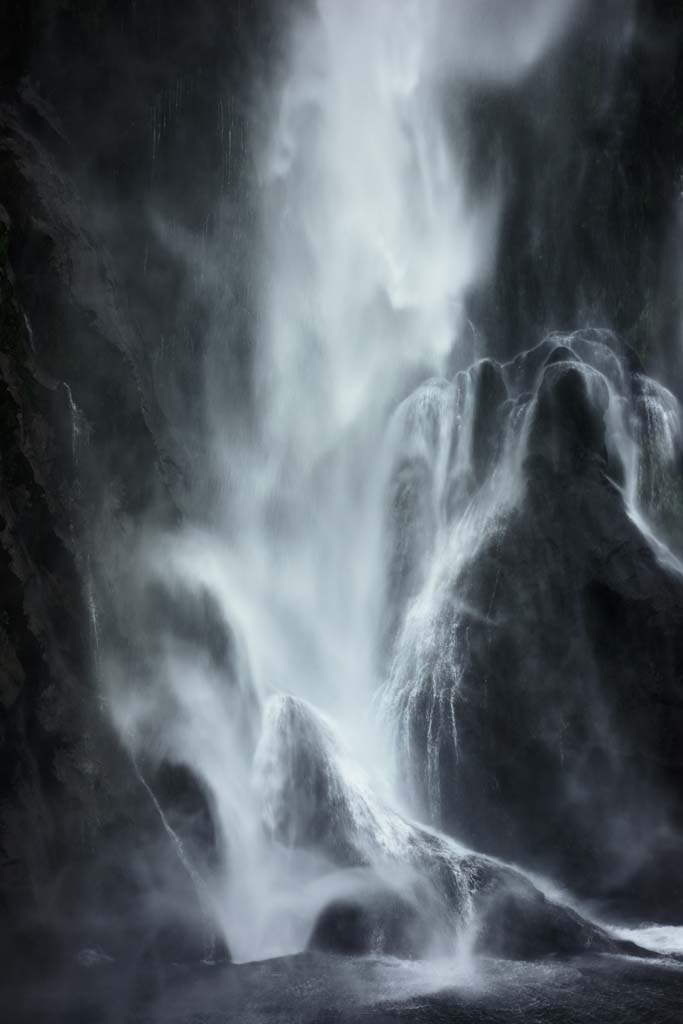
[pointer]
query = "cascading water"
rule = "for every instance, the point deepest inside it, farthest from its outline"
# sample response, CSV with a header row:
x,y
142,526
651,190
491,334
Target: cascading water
x,y
499,424
306,636
370,247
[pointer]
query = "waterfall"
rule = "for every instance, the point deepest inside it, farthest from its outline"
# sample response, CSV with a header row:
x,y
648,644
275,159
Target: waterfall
x,y
300,648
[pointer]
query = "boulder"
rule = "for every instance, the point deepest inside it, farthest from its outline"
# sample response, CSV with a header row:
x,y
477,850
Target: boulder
x,y
382,922
516,921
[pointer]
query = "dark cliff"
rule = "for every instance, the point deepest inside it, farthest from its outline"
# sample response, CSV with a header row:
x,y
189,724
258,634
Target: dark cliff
x,y
87,296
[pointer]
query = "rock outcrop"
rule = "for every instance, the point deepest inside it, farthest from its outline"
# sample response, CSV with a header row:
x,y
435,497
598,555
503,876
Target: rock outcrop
x,y
543,691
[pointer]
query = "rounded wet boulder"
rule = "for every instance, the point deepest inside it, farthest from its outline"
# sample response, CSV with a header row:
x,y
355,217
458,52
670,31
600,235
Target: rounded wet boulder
x,y
516,921
380,923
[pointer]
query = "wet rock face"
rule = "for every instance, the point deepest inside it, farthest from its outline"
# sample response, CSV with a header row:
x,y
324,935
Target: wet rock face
x,y
79,836
489,392
560,726
445,440
507,917
541,695
300,781
517,923
568,421
410,530
84,451
189,810
412,892
45,731
381,924
513,919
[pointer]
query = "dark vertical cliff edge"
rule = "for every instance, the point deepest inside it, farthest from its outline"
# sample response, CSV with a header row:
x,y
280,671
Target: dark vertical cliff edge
x,y
86,446
74,438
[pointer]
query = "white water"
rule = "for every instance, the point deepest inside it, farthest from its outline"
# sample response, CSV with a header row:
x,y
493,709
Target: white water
x,y
658,938
370,245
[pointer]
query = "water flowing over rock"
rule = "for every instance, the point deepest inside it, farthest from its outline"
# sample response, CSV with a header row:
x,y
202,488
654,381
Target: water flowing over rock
x,y
524,687
442,894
